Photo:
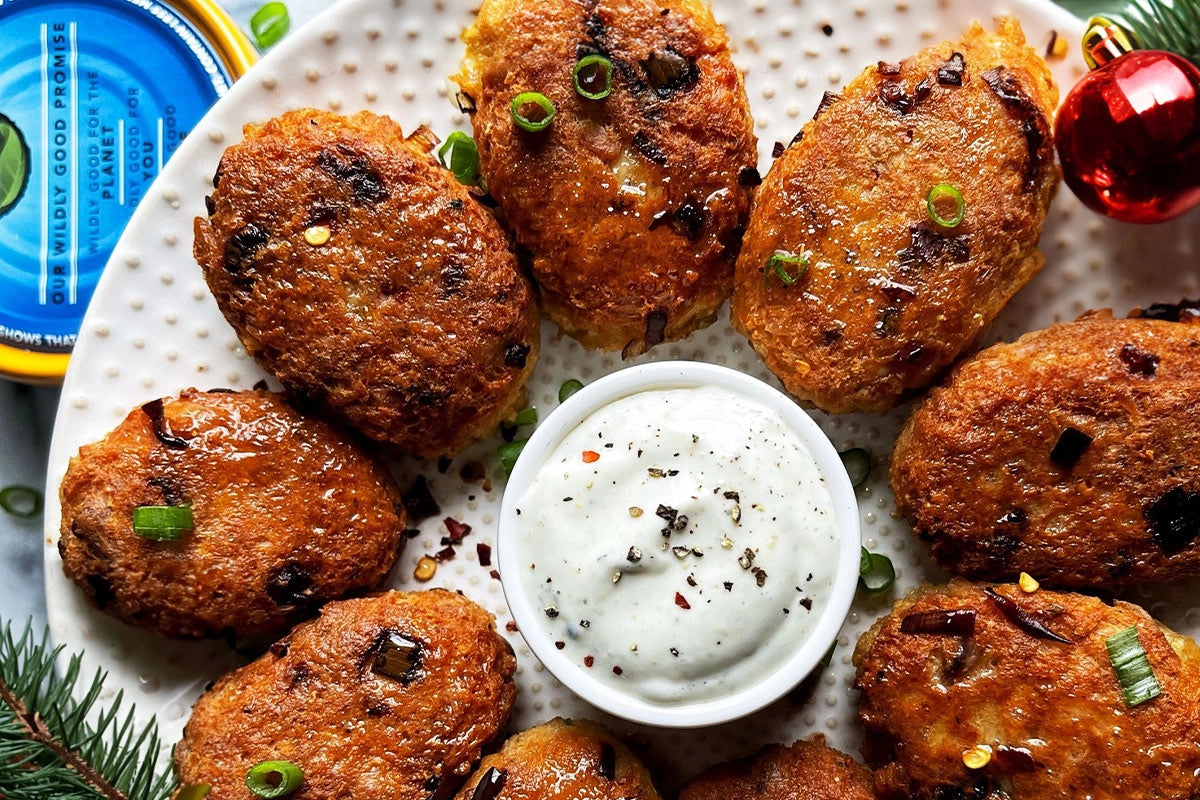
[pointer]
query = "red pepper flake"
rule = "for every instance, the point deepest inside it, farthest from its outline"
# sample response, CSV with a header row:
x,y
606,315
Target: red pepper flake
x,y
484,551
457,530
681,601
510,626
590,456
445,554
588,661
617,670
495,574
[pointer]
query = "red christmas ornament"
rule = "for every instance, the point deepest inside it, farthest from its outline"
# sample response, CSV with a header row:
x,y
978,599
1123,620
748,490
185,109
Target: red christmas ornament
x,y
1128,135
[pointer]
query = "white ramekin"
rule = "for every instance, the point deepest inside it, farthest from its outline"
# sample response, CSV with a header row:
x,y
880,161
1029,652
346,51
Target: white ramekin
x,y
808,653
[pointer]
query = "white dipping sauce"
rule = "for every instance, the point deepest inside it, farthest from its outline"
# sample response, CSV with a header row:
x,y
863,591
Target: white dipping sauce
x,y
738,584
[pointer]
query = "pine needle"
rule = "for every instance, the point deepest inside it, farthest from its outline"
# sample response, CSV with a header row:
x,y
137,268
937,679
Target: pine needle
x,y
53,747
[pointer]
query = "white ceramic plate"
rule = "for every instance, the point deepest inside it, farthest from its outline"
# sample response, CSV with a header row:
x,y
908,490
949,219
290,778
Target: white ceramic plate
x,y
153,327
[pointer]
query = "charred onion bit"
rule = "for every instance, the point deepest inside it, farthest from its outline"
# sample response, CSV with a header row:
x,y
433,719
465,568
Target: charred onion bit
x,y
827,100
241,247
893,96
642,143
356,170
951,73
656,326
943,622
154,411
490,784
669,72
1183,311
515,355
419,502
927,247
1174,519
1023,620
1010,760
1069,448
394,655
1029,118
608,761
1139,361
289,585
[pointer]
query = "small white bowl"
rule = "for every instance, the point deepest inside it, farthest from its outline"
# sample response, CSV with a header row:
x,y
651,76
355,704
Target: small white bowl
x,y
808,653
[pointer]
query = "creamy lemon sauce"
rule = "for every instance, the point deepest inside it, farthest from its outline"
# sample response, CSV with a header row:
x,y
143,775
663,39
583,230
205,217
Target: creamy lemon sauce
x,y
680,544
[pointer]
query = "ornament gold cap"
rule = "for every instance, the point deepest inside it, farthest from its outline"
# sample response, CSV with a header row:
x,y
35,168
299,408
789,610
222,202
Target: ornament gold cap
x,y
1104,41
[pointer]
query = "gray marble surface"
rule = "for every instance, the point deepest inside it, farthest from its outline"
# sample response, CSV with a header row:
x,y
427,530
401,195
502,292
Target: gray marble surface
x,y
26,421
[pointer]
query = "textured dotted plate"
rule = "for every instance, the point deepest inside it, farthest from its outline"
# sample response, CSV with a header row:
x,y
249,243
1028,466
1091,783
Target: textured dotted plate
x,y
154,329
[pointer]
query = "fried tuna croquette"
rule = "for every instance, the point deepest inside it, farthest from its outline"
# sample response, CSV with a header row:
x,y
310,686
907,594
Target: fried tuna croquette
x,y
806,770
389,696
561,760
633,206
1072,454
950,670
288,513
885,298
367,279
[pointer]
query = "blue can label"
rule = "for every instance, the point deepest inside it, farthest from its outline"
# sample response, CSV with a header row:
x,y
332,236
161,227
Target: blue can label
x,y
95,96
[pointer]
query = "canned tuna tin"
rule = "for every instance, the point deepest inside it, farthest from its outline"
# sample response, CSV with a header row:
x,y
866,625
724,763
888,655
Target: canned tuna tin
x,y
95,96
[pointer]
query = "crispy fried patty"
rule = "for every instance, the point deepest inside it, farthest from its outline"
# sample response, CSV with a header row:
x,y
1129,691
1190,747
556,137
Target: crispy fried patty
x,y
1072,454
806,770
889,299
392,696
1052,713
288,512
412,323
561,760
633,205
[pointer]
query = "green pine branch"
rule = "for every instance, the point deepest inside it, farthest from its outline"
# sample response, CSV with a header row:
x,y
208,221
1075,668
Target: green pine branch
x,y
53,747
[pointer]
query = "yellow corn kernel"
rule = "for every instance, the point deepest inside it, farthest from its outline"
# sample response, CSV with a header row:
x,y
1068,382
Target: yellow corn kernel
x,y
1028,583
426,569
977,757
317,235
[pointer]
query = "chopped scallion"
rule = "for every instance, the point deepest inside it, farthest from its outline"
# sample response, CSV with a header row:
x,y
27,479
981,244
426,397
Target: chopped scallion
x,y
875,572
944,195
593,77
21,501
778,265
509,453
463,157
508,428
569,388
162,523
274,779
270,24
1133,669
532,111
197,791
858,465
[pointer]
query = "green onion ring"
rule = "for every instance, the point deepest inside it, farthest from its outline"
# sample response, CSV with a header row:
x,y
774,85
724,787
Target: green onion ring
x,y
464,157
162,523
528,416
1134,672
21,501
509,453
274,779
778,264
270,24
876,574
580,77
532,98
941,192
569,388
858,465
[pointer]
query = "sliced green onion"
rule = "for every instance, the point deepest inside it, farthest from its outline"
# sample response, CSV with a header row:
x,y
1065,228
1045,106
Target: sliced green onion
x,y
875,572
464,158
509,453
1133,669
162,523
858,465
528,416
21,501
274,779
939,194
778,265
593,77
197,791
269,24
532,111
568,388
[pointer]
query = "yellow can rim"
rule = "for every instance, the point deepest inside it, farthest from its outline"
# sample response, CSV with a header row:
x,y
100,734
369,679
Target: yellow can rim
x,y
238,55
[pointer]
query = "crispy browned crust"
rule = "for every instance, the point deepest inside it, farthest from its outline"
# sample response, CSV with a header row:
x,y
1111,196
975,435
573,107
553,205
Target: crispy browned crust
x,y
806,770
972,468
1061,703
314,700
610,262
399,325
289,513
565,760
889,301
